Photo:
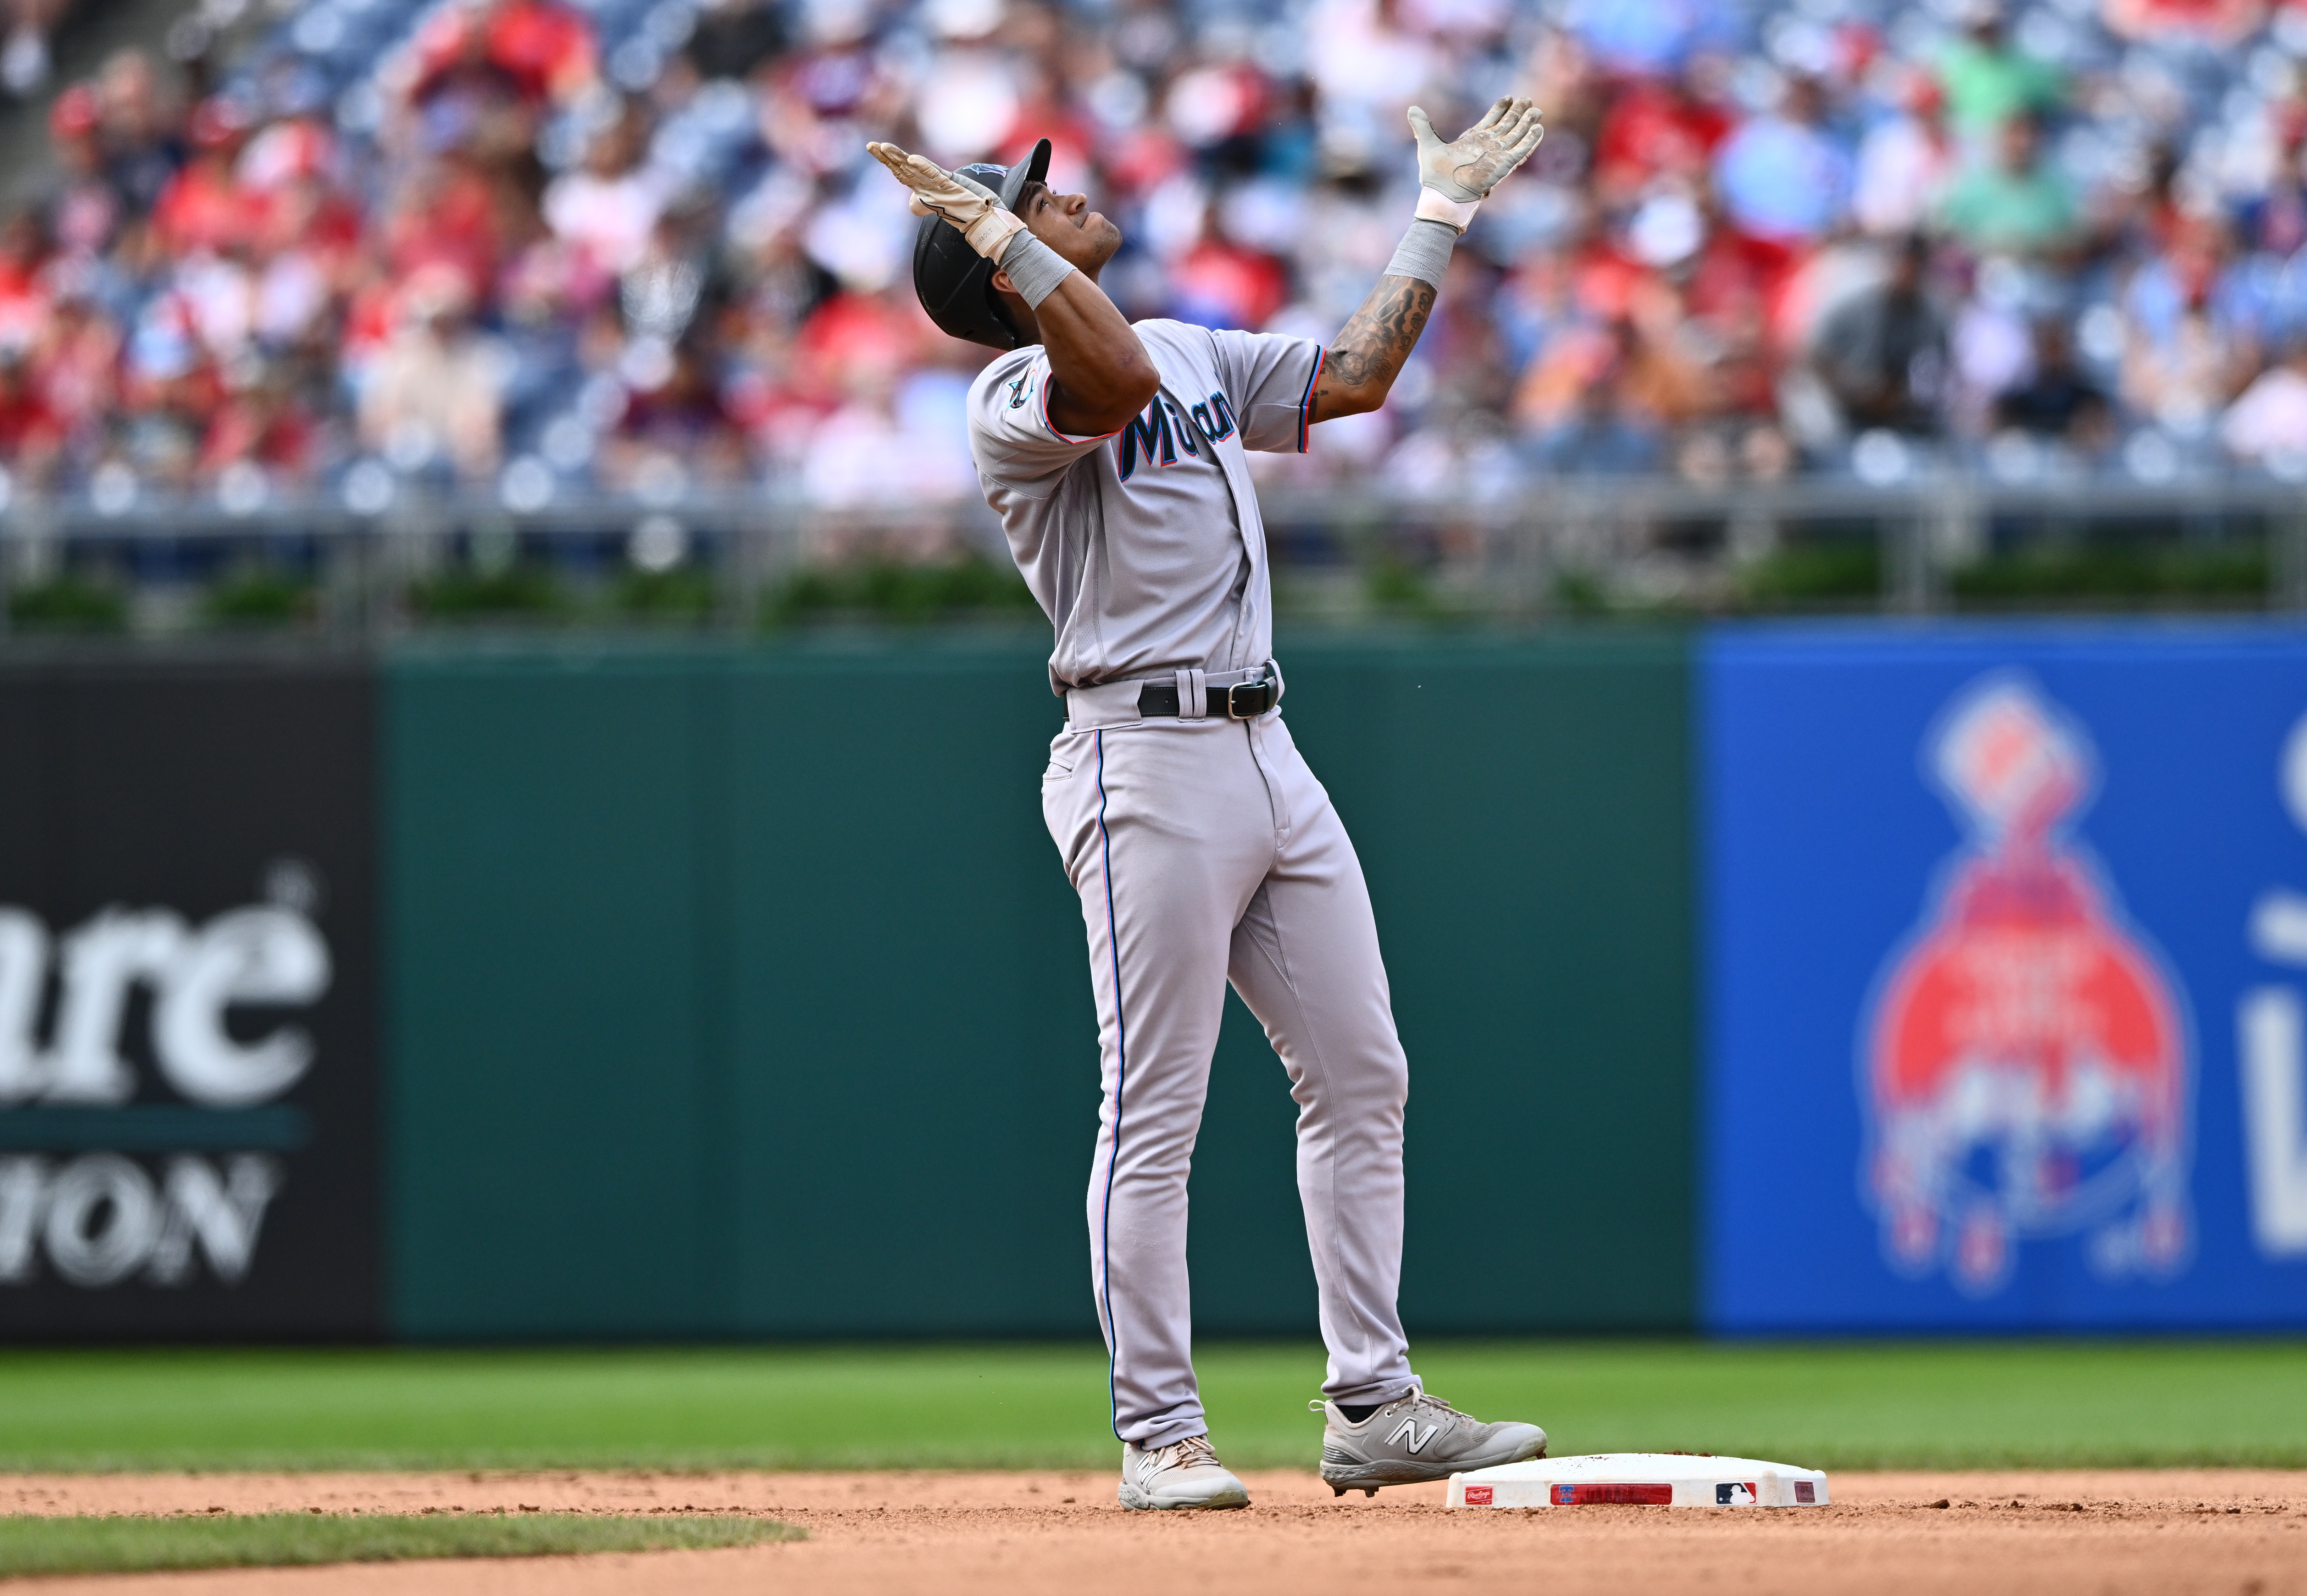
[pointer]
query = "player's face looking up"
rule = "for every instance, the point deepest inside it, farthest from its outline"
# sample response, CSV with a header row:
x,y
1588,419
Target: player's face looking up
x,y
1066,223
1086,239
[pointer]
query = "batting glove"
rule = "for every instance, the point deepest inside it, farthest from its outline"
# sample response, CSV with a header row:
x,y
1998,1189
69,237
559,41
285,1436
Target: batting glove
x,y
969,205
1454,178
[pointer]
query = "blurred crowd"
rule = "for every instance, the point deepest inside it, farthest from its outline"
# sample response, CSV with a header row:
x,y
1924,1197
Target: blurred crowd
x,y
546,247
25,28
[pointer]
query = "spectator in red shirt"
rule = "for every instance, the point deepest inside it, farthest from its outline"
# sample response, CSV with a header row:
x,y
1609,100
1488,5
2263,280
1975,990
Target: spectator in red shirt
x,y
261,422
30,437
1222,283
75,367
452,212
203,206
1653,128
536,49
23,295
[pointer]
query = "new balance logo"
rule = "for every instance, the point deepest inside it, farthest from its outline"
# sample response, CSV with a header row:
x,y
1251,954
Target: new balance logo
x,y
1416,1442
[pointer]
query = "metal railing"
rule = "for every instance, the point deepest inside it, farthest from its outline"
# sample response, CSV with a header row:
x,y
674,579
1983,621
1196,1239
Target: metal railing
x,y
1648,543
1577,547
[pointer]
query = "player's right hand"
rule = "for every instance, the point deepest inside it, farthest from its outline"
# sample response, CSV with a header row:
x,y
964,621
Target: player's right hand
x,y
969,205
1473,163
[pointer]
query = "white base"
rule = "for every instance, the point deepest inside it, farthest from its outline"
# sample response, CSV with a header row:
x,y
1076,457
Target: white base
x,y
1657,1479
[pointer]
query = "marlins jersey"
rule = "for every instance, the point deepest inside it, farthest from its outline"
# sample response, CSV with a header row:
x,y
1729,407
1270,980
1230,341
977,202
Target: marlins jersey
x,y
1144,546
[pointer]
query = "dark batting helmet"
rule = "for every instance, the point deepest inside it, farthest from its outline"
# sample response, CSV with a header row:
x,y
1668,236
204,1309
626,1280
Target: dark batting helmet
x,y
953,281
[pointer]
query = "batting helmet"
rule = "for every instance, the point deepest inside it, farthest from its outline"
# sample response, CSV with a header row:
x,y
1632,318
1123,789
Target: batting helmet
x,y
953,281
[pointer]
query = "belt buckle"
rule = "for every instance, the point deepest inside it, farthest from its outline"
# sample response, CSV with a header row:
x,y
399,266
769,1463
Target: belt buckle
x,y
1263,701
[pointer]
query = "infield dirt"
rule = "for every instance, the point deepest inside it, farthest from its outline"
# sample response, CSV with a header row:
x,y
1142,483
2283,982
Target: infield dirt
x,y
2239,1533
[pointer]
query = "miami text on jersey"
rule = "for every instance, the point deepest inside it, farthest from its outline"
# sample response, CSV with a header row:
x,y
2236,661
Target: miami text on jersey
x,y
1211,421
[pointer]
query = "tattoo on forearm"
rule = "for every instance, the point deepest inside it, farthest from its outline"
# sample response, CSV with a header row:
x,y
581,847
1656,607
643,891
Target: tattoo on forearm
x,y
1372,346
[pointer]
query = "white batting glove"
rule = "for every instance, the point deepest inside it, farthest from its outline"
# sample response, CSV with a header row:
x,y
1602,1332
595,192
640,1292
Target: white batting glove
x,y
1454,178
968,204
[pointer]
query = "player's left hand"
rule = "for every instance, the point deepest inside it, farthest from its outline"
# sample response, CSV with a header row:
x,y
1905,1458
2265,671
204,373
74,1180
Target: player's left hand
x,y
1473,163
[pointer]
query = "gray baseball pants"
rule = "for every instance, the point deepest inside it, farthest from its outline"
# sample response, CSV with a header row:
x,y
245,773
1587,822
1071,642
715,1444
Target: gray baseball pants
x,y
1205,852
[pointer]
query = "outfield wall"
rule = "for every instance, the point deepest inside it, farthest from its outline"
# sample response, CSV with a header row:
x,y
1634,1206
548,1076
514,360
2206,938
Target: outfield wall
x,y
1779,979
743,994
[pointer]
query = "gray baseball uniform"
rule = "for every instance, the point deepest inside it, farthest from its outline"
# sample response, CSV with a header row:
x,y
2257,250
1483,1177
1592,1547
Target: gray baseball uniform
x,y
1202,848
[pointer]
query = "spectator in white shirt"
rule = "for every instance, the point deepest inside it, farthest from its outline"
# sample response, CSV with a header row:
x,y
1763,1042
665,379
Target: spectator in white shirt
x,y
2270,421
607,209
1904,162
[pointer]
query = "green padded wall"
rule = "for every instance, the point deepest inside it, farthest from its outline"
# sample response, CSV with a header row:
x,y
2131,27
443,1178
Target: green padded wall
x,y
741,992
551,1134
915,1074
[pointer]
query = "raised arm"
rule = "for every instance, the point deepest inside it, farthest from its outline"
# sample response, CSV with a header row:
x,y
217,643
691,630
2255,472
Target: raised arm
x,y
1360,365
1099,373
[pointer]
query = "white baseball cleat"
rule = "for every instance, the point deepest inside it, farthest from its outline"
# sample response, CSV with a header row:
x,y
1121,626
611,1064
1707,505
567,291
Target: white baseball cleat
x,y
1414,1439
1183,1474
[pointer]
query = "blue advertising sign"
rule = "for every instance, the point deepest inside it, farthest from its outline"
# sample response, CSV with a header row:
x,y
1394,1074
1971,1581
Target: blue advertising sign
x,y
2006,967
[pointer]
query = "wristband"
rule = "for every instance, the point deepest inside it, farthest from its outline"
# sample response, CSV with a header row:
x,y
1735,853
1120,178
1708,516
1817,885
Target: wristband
x,y
1034,268
989,234
1423,251
1434,205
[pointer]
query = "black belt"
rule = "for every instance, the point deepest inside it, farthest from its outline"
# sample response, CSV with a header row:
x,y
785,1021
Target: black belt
x,y
1244,701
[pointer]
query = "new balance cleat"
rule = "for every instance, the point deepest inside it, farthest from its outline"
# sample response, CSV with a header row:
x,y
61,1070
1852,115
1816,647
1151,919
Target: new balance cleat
x,y
1183,1474
1415,1439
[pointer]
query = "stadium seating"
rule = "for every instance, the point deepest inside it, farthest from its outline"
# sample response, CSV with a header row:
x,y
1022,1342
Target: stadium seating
x,y
542,250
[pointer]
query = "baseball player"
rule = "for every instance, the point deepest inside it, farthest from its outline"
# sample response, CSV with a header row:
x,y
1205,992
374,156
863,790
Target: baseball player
x,y
1204,850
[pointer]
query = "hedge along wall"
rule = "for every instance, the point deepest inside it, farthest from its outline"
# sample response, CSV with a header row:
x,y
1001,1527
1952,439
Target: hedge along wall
x,y
743,993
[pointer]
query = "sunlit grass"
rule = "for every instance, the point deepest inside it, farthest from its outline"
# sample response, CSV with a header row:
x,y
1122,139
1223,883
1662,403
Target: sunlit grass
x,y
135,1545
1840,1405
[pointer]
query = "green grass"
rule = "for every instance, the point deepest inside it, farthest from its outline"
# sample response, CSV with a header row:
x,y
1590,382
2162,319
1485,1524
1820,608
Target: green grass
x,y
124,1545
1841,1405
1006,1405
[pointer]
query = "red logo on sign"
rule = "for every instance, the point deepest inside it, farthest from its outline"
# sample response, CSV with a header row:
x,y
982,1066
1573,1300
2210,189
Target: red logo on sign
x,y
2026,1060
1478,1496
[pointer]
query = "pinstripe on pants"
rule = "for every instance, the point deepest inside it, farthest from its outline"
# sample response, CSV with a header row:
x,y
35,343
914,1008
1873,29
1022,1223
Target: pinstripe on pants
x,y
1205,852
